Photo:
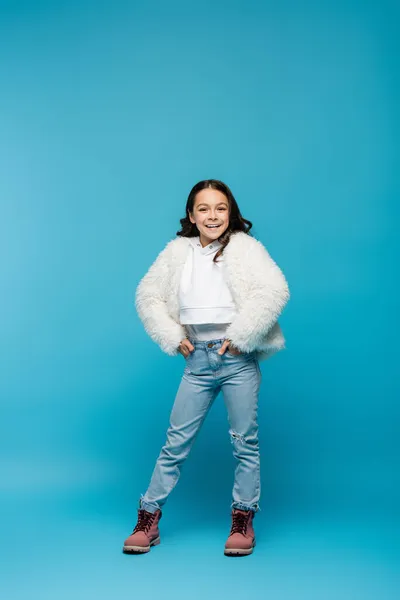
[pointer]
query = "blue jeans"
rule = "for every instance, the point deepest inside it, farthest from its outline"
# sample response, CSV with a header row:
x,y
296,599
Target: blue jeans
x,y
206,374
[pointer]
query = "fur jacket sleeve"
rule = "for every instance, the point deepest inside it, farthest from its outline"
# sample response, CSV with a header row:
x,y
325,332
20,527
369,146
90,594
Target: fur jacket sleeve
x,y
151,303
260,292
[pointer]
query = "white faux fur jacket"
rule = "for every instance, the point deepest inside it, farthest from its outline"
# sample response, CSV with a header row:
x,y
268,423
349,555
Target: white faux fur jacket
x,y
258,287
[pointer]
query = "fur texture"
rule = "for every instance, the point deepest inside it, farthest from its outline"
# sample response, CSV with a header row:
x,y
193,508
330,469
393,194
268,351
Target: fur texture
x,y
258,287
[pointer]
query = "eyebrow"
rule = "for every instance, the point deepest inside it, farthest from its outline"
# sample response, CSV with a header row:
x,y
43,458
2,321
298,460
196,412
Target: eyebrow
x,y
218,203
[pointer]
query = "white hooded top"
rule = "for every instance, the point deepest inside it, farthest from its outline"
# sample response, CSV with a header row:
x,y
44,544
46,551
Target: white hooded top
x,y
204,297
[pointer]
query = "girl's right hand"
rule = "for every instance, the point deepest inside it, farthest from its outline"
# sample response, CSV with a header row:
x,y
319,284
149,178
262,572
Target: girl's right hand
x,y
185,347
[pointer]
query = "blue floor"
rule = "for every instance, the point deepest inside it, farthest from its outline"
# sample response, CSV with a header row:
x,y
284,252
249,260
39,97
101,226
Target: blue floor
x,y
58,549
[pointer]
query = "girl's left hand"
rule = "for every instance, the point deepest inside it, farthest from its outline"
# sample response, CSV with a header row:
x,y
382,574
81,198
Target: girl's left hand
x,y
232,349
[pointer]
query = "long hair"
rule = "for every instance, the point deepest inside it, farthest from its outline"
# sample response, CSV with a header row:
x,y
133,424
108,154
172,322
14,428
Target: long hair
x,y
236,221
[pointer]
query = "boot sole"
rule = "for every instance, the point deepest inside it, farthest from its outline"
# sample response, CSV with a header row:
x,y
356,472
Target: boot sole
x,y
239,551
140,549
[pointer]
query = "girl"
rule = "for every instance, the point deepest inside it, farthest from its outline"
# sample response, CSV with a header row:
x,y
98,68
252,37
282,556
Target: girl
x,y
214,295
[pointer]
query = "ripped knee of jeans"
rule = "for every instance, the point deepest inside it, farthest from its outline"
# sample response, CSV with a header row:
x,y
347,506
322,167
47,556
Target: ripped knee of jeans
x,y
236,436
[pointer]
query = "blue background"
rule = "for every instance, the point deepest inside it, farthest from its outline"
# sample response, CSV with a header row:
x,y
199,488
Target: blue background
x,y
109,113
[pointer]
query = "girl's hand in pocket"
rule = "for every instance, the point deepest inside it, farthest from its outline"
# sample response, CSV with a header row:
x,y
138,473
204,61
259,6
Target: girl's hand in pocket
x,y
185,347
228,345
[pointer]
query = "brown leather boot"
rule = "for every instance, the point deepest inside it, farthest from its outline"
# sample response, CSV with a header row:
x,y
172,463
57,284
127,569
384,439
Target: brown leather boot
x,y
241,539
145,534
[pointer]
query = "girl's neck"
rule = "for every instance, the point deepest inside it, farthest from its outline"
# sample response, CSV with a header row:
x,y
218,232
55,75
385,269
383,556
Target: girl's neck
x,y
205,242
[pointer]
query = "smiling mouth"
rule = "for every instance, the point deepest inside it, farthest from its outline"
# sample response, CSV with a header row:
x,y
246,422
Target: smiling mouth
x,y
213,226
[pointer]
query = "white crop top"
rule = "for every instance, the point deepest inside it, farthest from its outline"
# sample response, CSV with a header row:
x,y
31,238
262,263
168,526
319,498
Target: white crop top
x,y
206,304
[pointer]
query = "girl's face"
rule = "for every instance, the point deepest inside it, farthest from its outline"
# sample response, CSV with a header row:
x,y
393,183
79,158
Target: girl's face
x,y
211,207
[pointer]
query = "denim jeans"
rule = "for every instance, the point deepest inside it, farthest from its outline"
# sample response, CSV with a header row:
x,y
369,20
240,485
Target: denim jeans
x,y
207,373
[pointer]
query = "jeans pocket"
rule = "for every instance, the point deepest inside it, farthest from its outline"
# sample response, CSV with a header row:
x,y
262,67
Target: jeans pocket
x,y
227,351
231,353
246,355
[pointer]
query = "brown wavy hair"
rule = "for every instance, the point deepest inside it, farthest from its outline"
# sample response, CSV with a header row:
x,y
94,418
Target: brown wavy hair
x,y
236,221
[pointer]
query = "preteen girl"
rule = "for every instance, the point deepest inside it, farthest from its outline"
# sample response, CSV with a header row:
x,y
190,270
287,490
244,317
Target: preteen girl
x,y
214,295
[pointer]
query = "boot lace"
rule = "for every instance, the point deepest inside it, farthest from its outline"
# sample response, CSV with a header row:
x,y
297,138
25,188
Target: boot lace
x,y
239,523
145,520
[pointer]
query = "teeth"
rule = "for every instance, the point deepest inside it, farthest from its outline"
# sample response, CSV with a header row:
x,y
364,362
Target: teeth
x,y
212,226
